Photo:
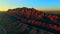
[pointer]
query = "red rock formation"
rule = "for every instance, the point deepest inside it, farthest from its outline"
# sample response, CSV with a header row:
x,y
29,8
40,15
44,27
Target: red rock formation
x,y
26,11
31,12
53,18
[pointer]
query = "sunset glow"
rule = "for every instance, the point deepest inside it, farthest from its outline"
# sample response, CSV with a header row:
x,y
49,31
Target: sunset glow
x,y
38,4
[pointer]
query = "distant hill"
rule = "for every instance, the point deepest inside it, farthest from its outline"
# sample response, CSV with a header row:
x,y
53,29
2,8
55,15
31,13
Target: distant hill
x,y
52,12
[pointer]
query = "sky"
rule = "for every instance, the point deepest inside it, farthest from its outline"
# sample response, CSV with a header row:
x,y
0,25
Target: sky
x,y
37,4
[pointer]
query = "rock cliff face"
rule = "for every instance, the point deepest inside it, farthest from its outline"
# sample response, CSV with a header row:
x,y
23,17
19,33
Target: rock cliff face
x,y
26,11
30,12
35,17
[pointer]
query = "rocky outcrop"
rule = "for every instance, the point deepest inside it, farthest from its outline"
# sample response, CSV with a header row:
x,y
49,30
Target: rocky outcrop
x,y
26,11
35,17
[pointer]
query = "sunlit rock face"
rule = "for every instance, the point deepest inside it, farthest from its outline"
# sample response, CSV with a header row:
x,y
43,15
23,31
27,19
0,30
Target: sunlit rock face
x,y
30,12
26,11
